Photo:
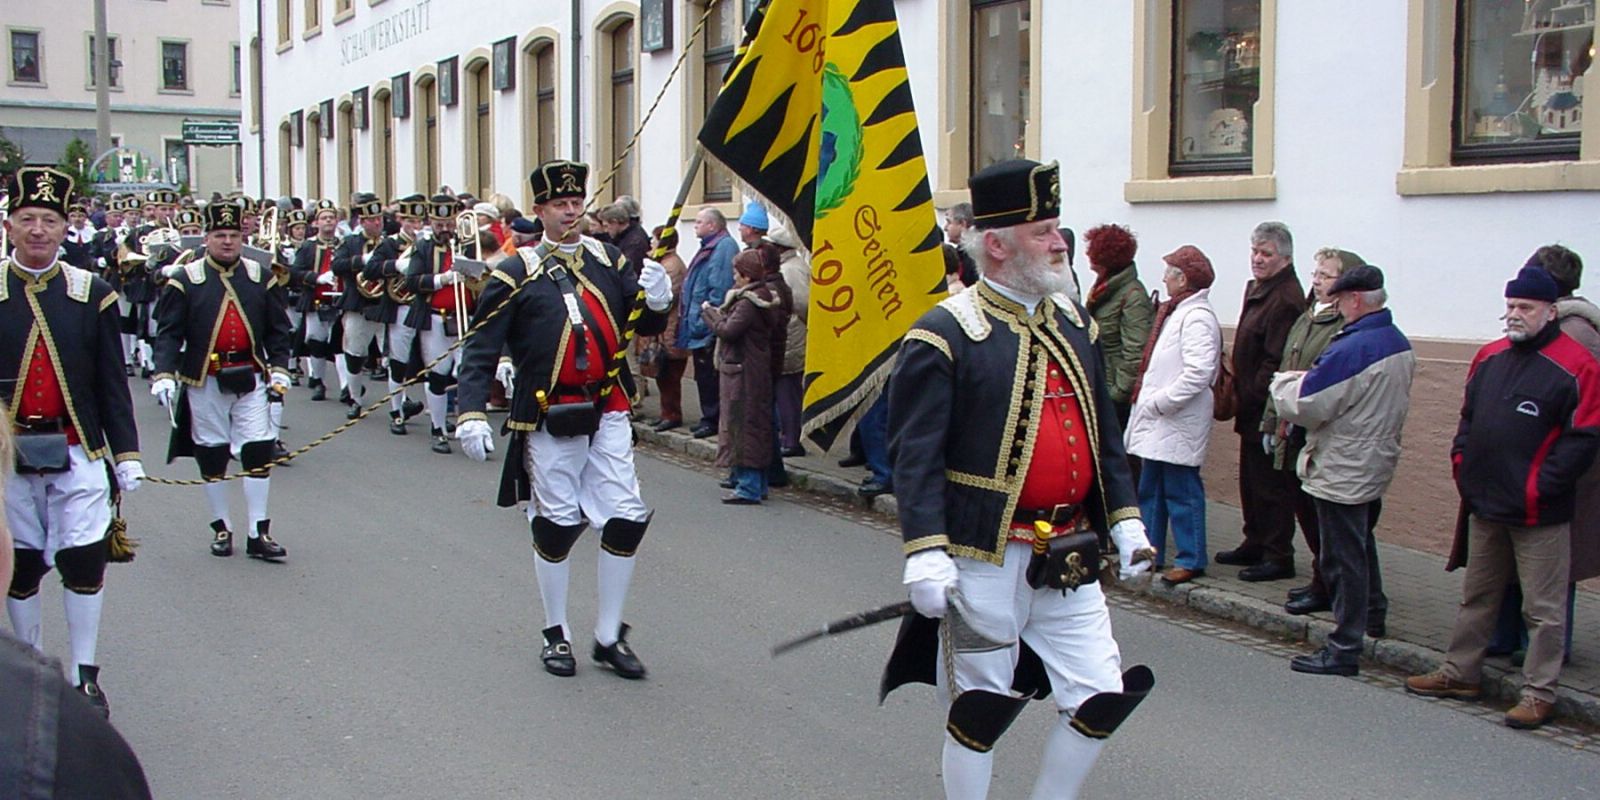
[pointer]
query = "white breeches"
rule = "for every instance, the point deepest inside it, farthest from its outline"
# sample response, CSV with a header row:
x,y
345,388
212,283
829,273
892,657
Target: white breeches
x,y
576,478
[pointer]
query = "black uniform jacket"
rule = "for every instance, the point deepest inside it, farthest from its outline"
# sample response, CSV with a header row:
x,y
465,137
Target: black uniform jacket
x,y
535,331
303,273
76,313
189,313
427,260
970,374
347,264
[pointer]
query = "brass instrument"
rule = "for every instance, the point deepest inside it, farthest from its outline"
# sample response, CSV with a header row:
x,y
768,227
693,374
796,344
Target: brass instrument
x,y
466,231
397,284
268,236
154,242
370,288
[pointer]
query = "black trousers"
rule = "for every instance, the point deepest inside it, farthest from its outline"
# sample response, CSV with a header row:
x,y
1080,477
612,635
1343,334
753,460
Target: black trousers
x,y
1349,560
1266,496
706,383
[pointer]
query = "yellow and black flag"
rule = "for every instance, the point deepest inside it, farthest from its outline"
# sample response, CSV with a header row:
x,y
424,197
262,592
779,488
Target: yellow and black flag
x,y
815,118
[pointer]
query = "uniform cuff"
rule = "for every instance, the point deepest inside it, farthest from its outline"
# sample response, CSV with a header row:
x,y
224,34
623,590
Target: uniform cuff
x,y
121,457
921,543
469,416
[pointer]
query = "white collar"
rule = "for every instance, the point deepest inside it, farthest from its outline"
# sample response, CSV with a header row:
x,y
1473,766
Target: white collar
x,y
1030,302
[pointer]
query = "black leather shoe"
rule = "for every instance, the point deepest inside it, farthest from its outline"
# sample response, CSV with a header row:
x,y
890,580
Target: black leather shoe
x,y
853,460
411,408
1323,663
1308,604
798,451
319,390
1266,571
780,482
726,483
1238,557
557,653
221,539
441,443
667,425
353,412
1377,630
619,657
397,425
262,545
89,687
703,432
344,396
872,488
736,500
1301,591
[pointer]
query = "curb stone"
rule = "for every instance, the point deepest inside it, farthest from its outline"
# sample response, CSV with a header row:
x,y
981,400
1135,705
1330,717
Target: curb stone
x,y
1499,685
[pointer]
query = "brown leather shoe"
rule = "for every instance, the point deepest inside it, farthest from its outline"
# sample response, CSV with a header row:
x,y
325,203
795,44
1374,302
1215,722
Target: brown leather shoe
x,y
1437,684
1529,713
1178,575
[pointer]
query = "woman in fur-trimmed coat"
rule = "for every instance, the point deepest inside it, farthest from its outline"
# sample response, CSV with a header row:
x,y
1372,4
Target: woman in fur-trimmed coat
x,y
749,326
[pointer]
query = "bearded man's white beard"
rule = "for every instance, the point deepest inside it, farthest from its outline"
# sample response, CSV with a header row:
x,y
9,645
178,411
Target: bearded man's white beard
x,y
1038,277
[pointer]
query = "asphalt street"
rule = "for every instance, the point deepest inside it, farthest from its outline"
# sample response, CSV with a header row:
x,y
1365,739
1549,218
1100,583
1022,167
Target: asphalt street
x,y
394,655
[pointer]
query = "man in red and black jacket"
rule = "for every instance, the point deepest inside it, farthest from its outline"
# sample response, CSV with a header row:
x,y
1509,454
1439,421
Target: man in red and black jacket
x,y
1530,427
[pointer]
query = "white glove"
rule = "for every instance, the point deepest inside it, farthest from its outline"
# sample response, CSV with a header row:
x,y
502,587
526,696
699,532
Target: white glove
x,y
365,257
171,270
930,574
1269,443
1133,547
129,475
476,439
506,374
657,287
162,390
326,278
444,279
279,382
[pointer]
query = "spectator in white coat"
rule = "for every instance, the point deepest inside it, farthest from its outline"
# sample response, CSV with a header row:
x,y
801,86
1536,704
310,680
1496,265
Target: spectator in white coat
x,y
1170,423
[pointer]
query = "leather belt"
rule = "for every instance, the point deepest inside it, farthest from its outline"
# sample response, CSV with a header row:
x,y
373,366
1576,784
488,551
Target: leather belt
x,y
1057,515
43,424
567,393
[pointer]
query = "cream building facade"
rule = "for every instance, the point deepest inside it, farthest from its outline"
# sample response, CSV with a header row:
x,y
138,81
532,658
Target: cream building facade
x,y
1441,139
173,60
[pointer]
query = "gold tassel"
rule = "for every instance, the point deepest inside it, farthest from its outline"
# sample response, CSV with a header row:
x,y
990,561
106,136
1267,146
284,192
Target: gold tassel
x,y
122,545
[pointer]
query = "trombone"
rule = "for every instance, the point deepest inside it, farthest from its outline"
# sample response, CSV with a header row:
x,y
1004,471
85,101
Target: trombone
x,y
466,231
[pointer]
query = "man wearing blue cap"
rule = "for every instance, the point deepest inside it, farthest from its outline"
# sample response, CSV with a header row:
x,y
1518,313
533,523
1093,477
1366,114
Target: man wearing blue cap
x,y
1530,427
753,224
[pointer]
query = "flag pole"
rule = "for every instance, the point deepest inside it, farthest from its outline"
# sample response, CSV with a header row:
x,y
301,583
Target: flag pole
x,y
683,195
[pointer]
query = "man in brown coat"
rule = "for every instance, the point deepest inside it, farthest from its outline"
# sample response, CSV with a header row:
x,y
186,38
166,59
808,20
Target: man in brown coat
x,y
1272,302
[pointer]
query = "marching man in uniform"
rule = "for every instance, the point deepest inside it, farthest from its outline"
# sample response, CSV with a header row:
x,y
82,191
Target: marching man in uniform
x,y
433,282
360,303
224,334
571,444
61,357
396,305
1009,468
313,270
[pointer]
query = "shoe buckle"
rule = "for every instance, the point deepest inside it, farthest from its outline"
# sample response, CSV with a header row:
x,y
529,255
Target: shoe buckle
x,y
223,535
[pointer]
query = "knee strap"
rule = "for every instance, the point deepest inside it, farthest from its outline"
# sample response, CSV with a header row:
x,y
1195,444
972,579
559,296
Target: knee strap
x,y
552,541
355,363
397,370
1101,715
978,718
313,348
439,383
620,537
30,570
130,325
83,569
213,461
255,455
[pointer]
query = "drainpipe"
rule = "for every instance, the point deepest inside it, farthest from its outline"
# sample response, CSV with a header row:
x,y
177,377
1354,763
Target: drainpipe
x,y
577,83
260,105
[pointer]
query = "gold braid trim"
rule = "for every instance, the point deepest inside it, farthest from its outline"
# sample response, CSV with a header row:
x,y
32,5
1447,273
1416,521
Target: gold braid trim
x,y
111,300
931,339
926,543
133,456
470,416
1127,512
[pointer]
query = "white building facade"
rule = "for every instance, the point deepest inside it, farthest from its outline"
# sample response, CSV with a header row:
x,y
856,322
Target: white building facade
x,y
1441,139
172,60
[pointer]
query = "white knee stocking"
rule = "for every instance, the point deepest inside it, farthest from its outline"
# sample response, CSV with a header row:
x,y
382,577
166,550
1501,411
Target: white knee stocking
x,y
615,573
217,496
25,620
255,500
966,772
553,590
1068,757
438,408
83,626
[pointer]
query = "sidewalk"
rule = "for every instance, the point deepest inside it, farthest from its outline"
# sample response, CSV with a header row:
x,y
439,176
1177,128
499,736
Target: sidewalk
x,y
1422,596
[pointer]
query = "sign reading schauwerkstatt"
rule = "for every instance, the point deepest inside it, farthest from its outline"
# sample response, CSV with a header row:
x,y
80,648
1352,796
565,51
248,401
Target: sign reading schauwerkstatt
x,y
210,132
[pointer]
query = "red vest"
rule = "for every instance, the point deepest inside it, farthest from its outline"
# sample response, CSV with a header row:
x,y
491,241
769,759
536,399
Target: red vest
x,y
599,357
1062,468
444,300
42,397
232,336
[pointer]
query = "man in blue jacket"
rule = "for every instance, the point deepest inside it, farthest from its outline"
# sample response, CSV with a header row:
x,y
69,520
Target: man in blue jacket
x,y
1530,427
708,279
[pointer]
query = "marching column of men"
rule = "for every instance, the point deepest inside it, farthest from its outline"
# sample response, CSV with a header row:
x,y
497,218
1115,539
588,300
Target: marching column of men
x,y
60,336
359,304
319,301
440,293
395,305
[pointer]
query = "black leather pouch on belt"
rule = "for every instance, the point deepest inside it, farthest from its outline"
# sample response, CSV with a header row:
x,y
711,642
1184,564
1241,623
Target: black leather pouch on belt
x,y
572,419
42,453
237,379
1069,561
452,326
